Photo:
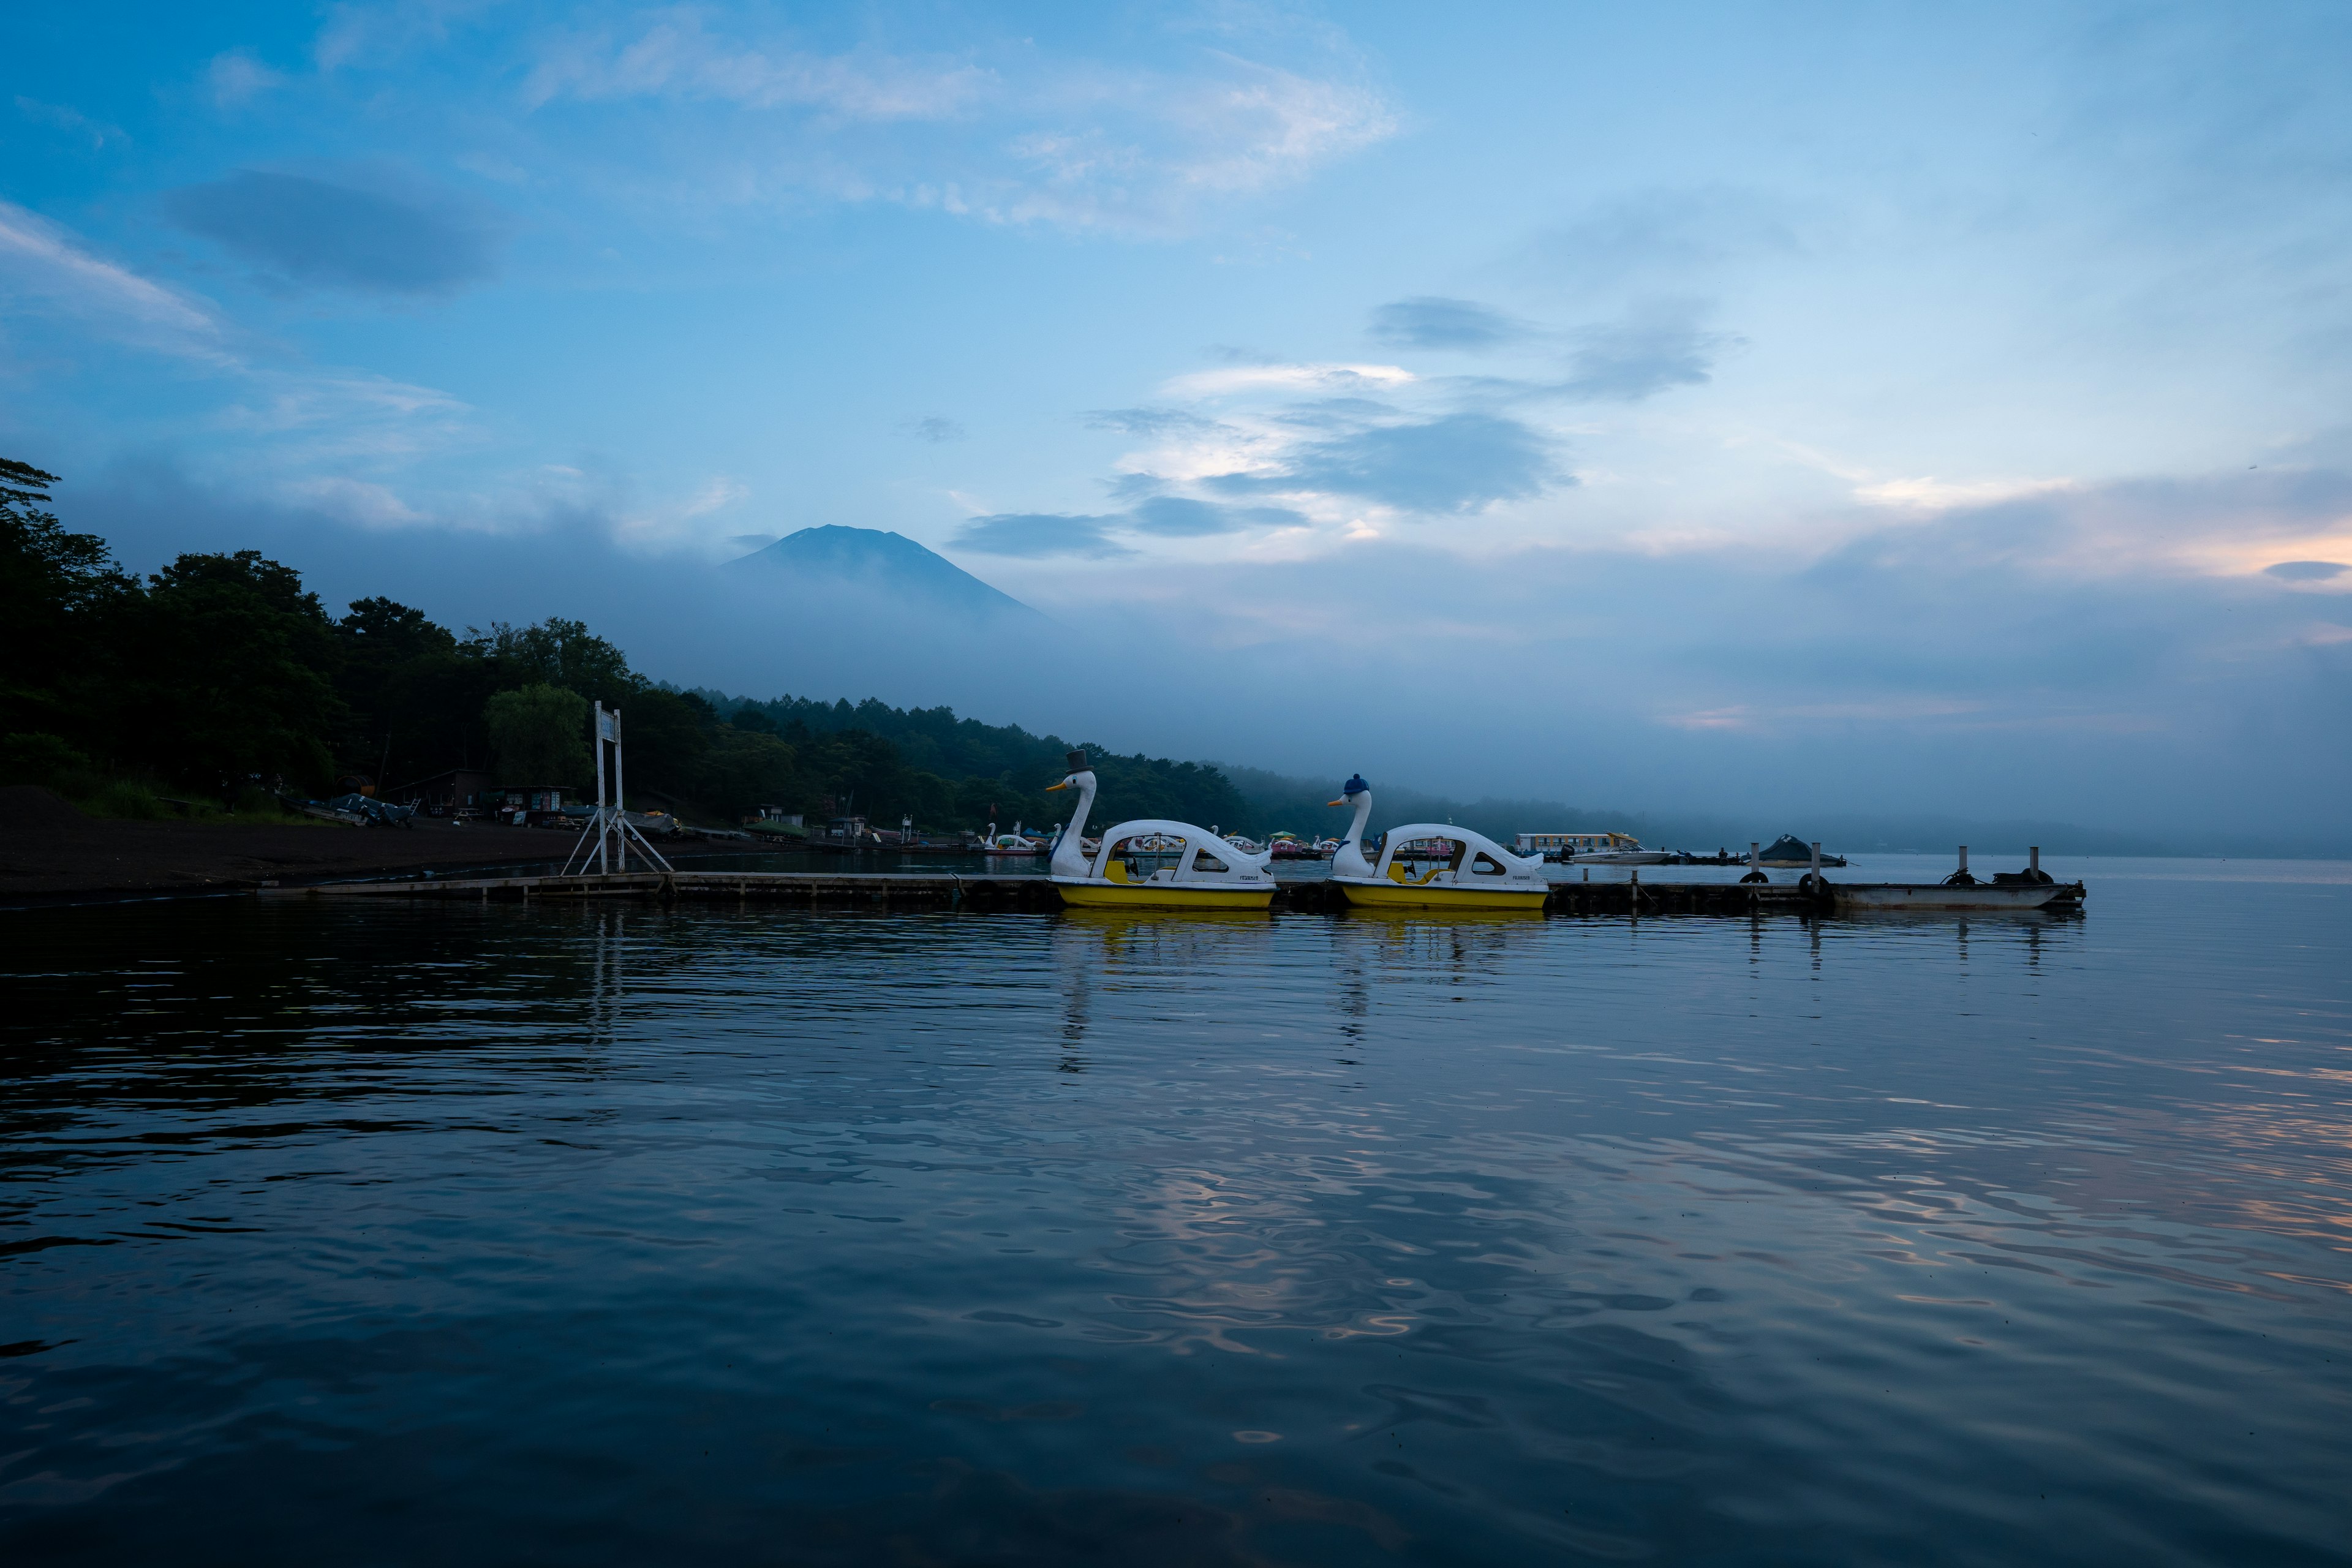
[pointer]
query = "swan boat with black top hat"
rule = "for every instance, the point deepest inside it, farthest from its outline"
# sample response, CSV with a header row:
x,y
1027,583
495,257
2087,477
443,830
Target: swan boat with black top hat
x,y
1430,865
1151,863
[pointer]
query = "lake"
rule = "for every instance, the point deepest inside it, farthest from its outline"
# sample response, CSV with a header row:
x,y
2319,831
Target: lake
x,y
463,1233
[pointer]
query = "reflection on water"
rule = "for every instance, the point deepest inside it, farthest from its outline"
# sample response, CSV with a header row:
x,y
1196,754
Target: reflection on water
x,y
499,1233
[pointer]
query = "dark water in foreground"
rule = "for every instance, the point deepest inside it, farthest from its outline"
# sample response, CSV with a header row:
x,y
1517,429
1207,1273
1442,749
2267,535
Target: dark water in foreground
x,y
363,1235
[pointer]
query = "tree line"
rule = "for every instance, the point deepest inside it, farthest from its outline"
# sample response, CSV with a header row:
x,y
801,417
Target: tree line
x,y
222,672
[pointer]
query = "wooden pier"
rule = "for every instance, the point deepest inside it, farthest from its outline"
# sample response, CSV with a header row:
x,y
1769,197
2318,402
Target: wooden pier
x,y
949,890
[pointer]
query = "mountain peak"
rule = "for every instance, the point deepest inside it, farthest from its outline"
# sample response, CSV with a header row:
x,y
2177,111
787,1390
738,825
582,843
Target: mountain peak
x,y
883,563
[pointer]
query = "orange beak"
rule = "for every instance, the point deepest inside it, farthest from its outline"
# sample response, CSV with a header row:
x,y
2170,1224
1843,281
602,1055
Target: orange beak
x,y
1051,788
1341,801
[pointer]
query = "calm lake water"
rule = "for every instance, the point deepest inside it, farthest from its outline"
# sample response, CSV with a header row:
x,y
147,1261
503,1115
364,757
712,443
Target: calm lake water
x,y
465,1234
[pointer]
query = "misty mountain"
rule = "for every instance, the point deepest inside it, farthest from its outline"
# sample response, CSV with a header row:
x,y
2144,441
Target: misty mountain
x,y
830,558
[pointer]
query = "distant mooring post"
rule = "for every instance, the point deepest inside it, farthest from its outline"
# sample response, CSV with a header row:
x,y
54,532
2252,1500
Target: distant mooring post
x,y
609,827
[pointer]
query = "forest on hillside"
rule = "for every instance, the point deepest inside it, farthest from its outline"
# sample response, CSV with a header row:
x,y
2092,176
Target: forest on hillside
x,y
222,675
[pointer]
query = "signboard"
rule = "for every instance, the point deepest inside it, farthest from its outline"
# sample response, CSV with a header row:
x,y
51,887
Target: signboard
x,y
608,726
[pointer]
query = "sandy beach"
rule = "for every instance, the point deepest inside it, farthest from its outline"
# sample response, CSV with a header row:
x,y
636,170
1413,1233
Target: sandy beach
x,y
51,853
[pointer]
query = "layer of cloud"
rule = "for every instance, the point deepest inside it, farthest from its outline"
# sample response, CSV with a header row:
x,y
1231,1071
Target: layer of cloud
x,y
1037,535
73,122
934,428
1460,462
1669,237
236,77
1652,349
997,132
370,237
1429,321
2306,570
43,261
675,57
1180,517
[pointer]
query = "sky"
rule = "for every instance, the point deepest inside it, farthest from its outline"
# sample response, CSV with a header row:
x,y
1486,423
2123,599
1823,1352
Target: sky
x,y
1789,407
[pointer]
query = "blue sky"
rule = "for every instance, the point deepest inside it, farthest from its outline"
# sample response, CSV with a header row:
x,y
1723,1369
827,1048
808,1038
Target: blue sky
x,y
1803,404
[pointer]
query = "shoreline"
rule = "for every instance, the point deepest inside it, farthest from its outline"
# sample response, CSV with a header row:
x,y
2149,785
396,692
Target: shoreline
x,y
51,855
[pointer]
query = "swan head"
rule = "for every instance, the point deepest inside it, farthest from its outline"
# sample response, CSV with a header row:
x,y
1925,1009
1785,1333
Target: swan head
x,y
1080,776
1351,790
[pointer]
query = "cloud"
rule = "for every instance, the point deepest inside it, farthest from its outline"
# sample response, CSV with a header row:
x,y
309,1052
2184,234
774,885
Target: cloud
x,y
1147,421
72,121
1133,486
343,235
1652,349
934,428
2306,571
1932,494
236,77
1429,321
41,258
674,58
1035,535
1674,237
354,502
1459,463
373,35
1328,379
1176,517
1142,142
997,130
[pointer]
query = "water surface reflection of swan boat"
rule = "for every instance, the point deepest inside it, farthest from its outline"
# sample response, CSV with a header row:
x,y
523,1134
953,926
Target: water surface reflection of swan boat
x,y
1151,863
1459,869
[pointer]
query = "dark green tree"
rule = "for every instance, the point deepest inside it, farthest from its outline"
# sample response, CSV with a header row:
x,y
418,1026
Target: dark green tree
x,y
227,669
668,735
538,735
59,593
384,645
557,652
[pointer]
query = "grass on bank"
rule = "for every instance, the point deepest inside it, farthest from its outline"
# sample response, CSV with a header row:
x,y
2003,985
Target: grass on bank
x,y
49,762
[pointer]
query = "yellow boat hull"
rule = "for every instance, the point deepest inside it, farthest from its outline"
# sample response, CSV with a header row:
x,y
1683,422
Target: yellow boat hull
x,y
1385,895
1146,896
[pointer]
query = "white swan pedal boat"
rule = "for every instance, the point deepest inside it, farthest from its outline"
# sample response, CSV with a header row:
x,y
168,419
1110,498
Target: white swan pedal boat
x,y
1151,863
1432,865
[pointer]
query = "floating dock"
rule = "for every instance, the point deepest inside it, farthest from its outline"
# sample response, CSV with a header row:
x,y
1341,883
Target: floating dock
x,y
945,890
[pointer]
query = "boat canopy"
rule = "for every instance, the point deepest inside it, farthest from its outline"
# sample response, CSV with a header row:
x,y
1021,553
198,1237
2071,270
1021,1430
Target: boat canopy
x,y
1197,854
1463,855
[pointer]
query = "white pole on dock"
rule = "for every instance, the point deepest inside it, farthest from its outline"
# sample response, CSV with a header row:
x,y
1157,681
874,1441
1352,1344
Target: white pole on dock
x,y
620,812
1964,858
602,859
2034,856
1817,859
1754,856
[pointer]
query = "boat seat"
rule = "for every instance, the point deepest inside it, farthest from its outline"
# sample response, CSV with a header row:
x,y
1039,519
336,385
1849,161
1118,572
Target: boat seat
x,y
1397,873
1116,871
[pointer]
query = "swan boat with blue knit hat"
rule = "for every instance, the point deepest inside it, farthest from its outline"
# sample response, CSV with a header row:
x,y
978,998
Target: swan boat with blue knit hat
x,y
1151,863
1430,865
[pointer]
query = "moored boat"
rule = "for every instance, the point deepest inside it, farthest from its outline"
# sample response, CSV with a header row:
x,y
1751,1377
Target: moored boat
x,y
2032,889
1151,863
1430,865
1015,843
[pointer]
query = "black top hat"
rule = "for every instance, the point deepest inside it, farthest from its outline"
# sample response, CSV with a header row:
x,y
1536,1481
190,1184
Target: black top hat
x,y
1077,761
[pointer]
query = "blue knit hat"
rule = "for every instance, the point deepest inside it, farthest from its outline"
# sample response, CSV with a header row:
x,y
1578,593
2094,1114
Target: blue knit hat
x,y
1355,785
